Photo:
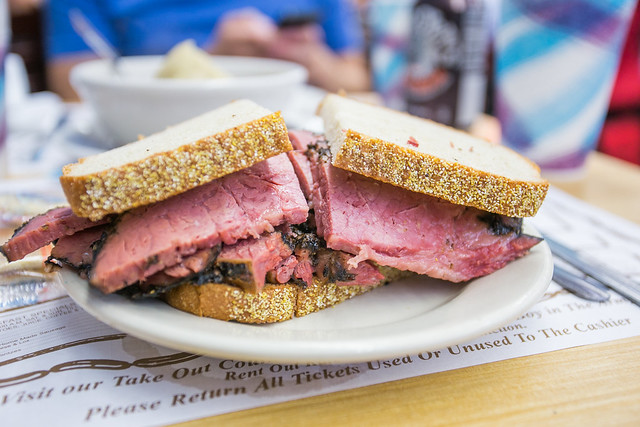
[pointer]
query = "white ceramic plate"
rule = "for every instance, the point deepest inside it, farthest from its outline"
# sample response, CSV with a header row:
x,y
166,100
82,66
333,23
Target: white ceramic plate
x,y
406,317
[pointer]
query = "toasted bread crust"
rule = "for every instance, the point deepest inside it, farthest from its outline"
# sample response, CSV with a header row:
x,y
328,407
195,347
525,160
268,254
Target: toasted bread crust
x,y
275,303
162,175
431,175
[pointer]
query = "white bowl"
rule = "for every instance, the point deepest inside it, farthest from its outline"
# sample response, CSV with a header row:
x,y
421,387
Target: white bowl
x,y
133,102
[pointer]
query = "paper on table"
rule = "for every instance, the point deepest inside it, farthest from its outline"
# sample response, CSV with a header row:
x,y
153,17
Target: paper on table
x,y
58,359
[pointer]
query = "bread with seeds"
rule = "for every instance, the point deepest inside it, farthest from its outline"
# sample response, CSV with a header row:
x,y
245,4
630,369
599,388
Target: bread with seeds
x,y
427,157
275,303
174,160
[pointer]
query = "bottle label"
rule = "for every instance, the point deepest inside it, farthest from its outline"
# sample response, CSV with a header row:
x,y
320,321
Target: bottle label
x,y
446,77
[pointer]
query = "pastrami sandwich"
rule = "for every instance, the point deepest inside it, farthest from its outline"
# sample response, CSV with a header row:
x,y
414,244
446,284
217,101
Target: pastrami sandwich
x,y
222,216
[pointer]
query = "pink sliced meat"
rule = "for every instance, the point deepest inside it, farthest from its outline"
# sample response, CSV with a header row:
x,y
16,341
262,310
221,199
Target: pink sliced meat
x,y
247,262
364,274
302,167
76,250
411,231
301,140
44,229
245,204
192,264
189,266
336,266
285,269
304,269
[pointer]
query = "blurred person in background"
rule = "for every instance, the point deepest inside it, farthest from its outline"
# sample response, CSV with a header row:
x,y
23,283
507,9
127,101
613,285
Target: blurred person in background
x,y
22,7
324,36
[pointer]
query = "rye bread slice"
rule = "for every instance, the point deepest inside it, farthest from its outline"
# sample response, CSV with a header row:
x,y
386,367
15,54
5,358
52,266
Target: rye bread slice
x,y
427,157
167,163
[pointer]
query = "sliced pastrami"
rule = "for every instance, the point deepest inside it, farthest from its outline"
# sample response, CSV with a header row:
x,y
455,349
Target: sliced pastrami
x,y
283,272
303,271
44,229
305,243
246,263
188,267
364,274
301,140
410,231
302,168
245,204
192,264
76,251
335,266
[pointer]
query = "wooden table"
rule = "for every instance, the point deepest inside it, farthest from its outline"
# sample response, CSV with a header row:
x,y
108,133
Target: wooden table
x,y
609,183
589,385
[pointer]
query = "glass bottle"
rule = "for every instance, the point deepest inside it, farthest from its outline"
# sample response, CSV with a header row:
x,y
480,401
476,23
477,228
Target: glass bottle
x,y
447,72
